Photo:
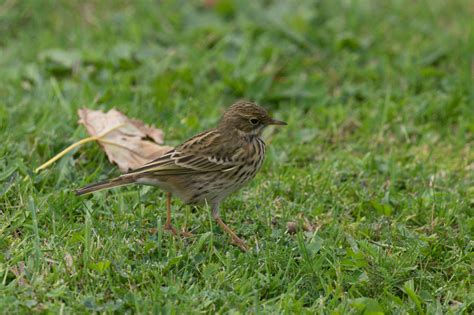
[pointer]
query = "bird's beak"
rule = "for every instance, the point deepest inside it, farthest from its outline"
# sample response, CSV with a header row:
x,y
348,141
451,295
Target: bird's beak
x,y
277,122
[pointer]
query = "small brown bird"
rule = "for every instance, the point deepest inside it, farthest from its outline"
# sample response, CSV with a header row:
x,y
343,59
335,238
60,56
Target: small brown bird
x,y
209,166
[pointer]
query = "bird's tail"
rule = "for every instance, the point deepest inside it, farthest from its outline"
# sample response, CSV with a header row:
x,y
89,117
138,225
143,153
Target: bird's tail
x,y
115,182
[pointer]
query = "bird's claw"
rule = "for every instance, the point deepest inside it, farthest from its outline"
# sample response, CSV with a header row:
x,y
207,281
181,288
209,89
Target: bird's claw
x,y
172,230
241,244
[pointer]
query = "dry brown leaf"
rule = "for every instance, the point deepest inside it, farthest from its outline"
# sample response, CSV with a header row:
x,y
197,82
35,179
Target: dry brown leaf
x,y
292,227
127,142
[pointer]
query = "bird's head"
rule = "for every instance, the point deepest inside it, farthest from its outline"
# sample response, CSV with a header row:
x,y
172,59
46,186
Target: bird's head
x,y
248,118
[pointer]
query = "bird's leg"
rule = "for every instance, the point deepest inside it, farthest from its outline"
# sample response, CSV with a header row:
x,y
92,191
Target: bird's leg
x,y
237,241
168,225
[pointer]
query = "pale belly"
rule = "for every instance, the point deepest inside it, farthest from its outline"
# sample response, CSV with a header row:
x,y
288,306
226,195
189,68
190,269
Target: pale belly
x,y
211,187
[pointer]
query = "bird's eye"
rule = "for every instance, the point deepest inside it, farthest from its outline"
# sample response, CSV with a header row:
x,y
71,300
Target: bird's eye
x,y
254,121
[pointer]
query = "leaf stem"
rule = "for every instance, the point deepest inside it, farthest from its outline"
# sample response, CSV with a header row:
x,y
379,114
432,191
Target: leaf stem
x,y
75,145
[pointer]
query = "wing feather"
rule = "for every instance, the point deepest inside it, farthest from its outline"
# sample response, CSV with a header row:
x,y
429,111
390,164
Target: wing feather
x,y
193,156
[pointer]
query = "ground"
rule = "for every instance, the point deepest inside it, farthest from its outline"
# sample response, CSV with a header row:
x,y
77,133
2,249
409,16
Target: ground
x,y
374,172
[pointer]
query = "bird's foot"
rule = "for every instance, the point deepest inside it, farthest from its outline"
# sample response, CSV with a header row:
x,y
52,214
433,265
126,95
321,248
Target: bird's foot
x,y
172,230
184,233
240,243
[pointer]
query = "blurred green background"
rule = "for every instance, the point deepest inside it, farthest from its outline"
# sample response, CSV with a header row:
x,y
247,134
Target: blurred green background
x,y
375,167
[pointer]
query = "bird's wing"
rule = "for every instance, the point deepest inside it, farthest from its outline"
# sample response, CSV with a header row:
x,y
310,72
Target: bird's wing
x,y
202,153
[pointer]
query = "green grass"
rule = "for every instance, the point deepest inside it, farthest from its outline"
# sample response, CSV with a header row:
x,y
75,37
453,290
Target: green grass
x,y
377,158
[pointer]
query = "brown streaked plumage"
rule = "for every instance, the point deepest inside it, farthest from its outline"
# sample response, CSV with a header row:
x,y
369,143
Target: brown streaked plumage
x,y
209,166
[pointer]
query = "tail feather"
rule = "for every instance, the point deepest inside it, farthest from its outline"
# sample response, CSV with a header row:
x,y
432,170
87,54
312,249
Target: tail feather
x,y
116,182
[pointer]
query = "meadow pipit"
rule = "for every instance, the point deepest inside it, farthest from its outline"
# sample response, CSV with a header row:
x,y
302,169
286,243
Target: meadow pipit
x,y
209,166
